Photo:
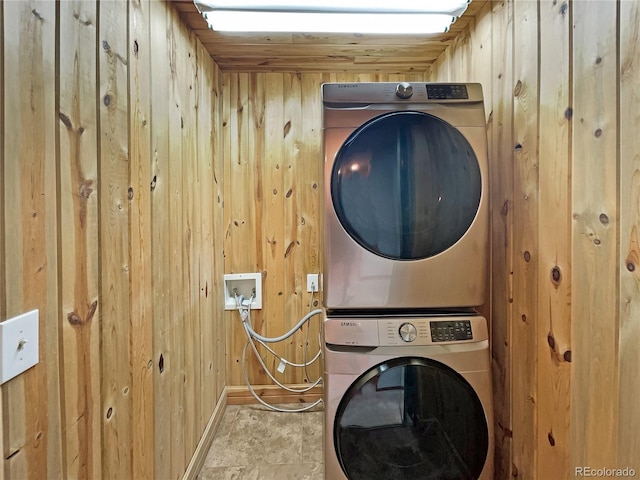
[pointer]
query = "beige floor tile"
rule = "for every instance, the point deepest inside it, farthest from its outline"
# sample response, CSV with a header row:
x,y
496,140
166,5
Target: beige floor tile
x,y
255,443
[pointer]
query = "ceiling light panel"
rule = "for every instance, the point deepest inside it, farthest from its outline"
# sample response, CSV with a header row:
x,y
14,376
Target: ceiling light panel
x,y
366,23
452,7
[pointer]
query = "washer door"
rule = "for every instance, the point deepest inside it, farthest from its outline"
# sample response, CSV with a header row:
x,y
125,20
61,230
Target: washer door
x,y
411,418
406,185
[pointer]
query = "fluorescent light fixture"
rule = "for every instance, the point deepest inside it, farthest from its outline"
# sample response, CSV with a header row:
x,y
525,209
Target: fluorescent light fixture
x,y
375,23
452,7
332,16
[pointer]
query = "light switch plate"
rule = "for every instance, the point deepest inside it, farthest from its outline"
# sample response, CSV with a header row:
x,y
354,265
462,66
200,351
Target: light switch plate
x,y
18,345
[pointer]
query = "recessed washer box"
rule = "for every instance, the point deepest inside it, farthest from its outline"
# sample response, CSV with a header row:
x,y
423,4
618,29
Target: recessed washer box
x,y
244,284
18,345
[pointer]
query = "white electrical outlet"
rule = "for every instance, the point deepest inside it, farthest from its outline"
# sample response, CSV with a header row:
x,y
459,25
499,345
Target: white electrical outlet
x,y
312,282
18,345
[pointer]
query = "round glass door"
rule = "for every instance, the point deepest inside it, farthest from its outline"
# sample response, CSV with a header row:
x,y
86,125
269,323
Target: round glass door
x,y
406,185
413,419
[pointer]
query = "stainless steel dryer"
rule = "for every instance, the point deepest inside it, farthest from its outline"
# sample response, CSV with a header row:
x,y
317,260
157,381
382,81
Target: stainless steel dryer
x,y
407,398
405,195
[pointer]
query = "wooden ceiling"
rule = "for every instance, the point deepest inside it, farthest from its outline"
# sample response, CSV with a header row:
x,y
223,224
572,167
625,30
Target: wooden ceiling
x,y
299,52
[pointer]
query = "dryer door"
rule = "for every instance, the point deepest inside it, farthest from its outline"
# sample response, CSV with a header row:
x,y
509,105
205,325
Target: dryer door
x,y
414,419
406,185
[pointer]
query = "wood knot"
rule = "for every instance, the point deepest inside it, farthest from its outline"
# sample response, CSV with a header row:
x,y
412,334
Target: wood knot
x,y
130,193
287,129
107,100
161,363
505,208
604,219
517,89
74,319
289,249
135,47
598,133
551,341
85,190
631,266
552,441
527,256
556,275
109,412
567,356
564,8
65,120
154,182
568,113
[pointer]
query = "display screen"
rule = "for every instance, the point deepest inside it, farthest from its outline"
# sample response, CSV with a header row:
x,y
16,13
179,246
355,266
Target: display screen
x,y
451,331
447,92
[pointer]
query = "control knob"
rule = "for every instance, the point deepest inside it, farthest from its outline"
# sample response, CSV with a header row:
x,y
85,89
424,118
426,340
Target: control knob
x,y
404,90
408,332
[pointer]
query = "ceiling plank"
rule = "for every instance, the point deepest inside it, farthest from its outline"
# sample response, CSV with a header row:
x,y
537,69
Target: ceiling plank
x,y
300,52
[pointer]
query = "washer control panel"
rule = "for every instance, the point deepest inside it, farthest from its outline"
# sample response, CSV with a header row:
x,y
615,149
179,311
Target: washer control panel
x,y
392,331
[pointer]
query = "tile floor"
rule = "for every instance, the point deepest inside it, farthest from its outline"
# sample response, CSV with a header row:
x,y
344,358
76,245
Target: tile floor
x,y
254,443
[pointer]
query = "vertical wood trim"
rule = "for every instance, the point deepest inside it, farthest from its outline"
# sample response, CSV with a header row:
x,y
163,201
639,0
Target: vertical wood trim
x,y
501,165
139,197
3,278
80,325
525,237
554,305
161,236
220,352
232,355
115,241
31,401
205,383
186,77
293,164
310,218
629,201
175,360
273,227
595,254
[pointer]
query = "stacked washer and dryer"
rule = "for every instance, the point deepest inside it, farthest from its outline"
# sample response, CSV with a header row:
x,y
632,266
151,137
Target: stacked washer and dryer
x,y
406,356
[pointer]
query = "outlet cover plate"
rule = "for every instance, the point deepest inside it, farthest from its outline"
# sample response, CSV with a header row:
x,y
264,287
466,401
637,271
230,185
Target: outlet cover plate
x,y
18,345
312,282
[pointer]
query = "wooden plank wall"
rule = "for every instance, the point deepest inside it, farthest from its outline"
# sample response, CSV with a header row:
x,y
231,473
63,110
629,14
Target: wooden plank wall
x,y
563,102
110,225
273,174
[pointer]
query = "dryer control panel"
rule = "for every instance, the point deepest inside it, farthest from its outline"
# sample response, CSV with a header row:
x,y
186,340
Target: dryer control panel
x,y
399,331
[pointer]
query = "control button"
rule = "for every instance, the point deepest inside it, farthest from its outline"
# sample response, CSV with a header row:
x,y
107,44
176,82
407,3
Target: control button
x,y
408,332
404,90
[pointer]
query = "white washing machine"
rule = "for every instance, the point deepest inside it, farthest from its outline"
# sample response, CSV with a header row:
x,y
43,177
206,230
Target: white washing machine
x,y
405,196
407,398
